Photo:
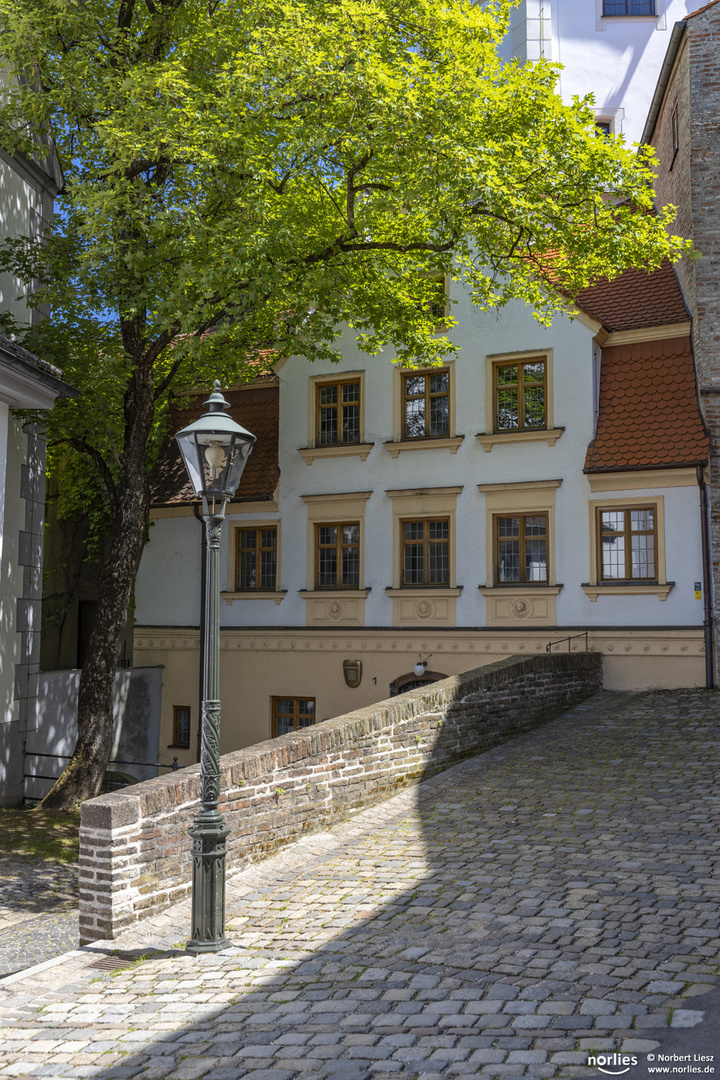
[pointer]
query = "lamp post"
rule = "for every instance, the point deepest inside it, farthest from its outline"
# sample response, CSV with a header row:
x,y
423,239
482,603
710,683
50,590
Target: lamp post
x,y
215,450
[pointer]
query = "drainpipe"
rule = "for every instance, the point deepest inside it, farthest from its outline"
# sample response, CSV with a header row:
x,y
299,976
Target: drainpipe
x,y
201,665
707,580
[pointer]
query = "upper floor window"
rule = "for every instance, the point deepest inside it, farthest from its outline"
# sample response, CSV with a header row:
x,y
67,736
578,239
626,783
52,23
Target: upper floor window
x,y
628,7
628,544
337,556
290,714
520,395
256,559
425,404
338,413
521,548
426,552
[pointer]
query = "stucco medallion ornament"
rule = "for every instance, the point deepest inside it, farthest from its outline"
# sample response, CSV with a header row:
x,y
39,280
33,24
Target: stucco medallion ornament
x,y
335,610
423,609
520,609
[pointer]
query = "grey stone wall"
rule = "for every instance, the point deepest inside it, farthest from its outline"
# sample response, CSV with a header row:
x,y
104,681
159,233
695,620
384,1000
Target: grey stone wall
x,y
692,183
134,848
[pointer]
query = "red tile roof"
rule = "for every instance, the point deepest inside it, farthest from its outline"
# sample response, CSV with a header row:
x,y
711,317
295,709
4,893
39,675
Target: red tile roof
x,y
636,299
257,409
700,10
649,416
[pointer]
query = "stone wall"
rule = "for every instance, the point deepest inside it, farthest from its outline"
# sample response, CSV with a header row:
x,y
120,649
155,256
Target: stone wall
x,y
691,181
134,848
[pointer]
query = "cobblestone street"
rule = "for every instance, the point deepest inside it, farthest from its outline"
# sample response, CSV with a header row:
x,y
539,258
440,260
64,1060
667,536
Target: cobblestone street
x,y
38,912
553,900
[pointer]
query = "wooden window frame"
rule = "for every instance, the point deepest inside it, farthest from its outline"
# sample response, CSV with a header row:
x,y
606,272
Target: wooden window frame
x,y
427,396
520,363
177,741
627,533
296,713
259,549
339,546
353,380
426,541
522,580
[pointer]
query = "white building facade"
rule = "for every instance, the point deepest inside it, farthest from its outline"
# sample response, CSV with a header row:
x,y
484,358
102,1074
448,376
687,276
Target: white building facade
x,y
27,190
523,493
539,486
612,48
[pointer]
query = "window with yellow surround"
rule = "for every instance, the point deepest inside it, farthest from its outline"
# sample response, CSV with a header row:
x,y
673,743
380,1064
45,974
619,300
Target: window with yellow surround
x,y
521,554
256,559
425,552
627,544
337,555
337,412
425,404
520,395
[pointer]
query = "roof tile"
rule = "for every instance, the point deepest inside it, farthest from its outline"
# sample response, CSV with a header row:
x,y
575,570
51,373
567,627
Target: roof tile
x,y
636,299
648,414
257,409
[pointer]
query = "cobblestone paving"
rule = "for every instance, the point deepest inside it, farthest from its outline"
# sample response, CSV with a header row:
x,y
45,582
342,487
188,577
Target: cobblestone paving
x,y
38,912
554,899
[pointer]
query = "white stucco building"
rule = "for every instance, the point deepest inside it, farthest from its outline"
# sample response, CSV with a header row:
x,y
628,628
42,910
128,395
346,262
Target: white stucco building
x,y
548,481
612,48
27,190
543,483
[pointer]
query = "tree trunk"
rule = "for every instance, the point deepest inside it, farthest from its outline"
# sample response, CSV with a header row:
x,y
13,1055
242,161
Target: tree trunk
x,y
83,777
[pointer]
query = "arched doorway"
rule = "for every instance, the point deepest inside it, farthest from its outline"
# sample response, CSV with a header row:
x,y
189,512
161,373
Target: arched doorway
x,y
410,681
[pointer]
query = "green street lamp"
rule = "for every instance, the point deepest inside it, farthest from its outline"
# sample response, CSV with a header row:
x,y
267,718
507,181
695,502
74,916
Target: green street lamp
x,y
215,451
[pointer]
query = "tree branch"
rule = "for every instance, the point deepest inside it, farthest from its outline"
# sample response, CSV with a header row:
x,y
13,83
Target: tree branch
x,y
84,447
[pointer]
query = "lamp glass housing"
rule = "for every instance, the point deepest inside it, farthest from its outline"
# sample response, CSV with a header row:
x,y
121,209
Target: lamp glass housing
x,y
215,451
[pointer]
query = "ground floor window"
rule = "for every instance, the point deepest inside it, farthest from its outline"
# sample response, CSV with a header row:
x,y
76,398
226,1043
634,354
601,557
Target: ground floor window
x,y
181,725
291,714
256,559
521,548
426,552
337,556
627,548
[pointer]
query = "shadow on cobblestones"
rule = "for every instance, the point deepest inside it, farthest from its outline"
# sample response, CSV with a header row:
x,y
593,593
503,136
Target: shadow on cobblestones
x,y
553,899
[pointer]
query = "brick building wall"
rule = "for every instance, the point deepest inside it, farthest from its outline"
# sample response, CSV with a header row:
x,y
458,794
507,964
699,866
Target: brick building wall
x,y
134,847
691,181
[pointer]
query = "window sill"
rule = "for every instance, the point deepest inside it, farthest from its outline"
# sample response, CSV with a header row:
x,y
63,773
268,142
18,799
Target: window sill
x,y
178,746
628,589
548,435
429,590
519,587
361,450
446,442
344,592
278,595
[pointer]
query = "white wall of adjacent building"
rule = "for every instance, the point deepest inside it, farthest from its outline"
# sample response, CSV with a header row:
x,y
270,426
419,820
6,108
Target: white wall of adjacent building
x,y
617,59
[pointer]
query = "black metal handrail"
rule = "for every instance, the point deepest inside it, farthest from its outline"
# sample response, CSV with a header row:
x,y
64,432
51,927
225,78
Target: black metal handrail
x,y
116,761
572,637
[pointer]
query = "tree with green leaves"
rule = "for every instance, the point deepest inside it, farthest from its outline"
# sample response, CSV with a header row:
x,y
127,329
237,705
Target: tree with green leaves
x,y
246,175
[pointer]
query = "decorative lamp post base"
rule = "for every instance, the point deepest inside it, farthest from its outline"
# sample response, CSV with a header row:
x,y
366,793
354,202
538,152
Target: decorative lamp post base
x,y
208,897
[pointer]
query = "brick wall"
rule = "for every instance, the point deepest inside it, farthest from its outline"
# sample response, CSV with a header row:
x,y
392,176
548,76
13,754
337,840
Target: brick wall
x,y
134,847
692,183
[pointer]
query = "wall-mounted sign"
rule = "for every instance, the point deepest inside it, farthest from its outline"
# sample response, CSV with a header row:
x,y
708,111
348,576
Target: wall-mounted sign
x,y
352,670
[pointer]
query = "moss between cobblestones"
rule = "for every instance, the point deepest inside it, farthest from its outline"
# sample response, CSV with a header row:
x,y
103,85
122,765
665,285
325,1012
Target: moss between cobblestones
x,y
40,834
